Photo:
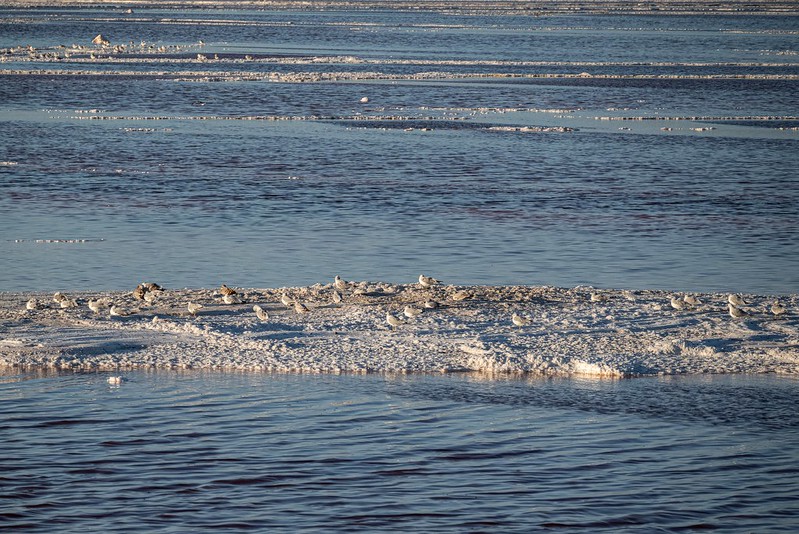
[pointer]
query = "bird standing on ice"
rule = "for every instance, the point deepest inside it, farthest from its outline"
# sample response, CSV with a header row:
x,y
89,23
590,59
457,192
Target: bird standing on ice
x,y
427,281
518,320
393,321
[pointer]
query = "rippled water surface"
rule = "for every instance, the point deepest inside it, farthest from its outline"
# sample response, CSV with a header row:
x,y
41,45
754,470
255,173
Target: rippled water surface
x,y
178,452
113,174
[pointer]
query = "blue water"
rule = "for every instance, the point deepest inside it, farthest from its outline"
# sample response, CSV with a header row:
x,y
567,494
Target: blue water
x,y
198,197
187,451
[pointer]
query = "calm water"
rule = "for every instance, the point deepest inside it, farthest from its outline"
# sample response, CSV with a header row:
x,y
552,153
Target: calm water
x,y
179,452
191,202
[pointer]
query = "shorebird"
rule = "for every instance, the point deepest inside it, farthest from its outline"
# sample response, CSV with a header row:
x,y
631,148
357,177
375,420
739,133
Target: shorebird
x,y
677,303
194,308
96,305
225,290
69,303
337,298
430,304
340,284
115,380
231,299
152,286
393,321
59,296
777,308
736,300
460,295
287,302
139,293
691,300
299,307
518,320
736,312
150,297
32,304
260,313
629,295
597,297
116,311
411,312
427,281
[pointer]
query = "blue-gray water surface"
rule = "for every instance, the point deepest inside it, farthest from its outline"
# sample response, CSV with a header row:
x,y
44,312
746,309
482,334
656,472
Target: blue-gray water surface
x,y
172,186
180,452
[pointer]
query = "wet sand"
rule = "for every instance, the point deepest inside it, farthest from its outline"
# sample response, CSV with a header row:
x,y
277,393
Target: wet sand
x,y
582,330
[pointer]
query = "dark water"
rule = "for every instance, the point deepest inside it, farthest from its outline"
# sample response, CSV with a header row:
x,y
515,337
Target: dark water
x,y
198,196
181,452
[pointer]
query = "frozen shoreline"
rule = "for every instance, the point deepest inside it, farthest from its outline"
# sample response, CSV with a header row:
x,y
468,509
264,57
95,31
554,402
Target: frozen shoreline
x,y
618,334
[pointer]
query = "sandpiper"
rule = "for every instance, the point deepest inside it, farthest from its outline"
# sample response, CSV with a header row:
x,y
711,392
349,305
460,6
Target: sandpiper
x,y
411,312
194,308
299,307
287,302
225,290
260,313
518,320
427,281
340,284
393,321
777,308
736,312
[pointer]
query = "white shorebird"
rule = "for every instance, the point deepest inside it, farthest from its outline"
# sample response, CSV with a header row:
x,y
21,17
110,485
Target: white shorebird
x,y
518,320
411,312
340,284
231,298
777,308
736,312
736,300
150,296
69,303
337,298
225,290
96,305
629,295
260,313
32,304
597,297
677,303
427,281
116,311
115,380
393,321
430,304
691,300
287,302
194,308
59,296
299,307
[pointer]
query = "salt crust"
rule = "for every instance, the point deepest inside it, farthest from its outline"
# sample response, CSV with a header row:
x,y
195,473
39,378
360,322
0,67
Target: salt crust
x,y
617,334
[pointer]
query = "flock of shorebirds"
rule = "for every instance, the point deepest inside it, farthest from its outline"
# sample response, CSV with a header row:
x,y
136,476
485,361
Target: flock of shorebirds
x,y
149,292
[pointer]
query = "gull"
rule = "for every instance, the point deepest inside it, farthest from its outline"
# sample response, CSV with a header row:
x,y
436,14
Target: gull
x,y
231,299
116,311
299,307
337,298
736,312
115,380
461,295
225,290
194,308
430,304
518,320
427,281
411,312
777,308
96,305
736,300
260,313
59,296
32,304
691,300
393,321
287,302
340,284
677,303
